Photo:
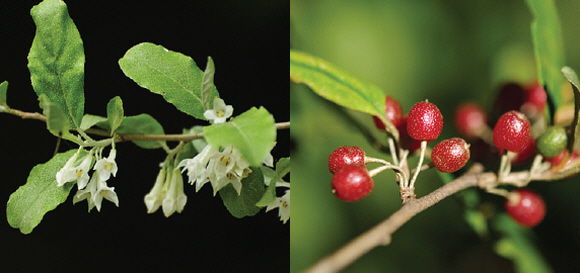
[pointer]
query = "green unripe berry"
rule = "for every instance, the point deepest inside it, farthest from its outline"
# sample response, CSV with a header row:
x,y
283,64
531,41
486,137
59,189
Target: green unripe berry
x,y
552,141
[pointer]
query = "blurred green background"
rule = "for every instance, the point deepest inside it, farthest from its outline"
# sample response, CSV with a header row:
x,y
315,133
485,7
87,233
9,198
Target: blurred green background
x,y
447,52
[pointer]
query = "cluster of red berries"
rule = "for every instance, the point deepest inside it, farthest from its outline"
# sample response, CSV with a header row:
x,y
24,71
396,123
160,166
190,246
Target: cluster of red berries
x,y
352,181
424,123
512,132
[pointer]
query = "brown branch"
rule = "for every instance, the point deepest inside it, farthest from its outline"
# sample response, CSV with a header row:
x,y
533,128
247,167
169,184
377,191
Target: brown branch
x,y
381,233
129,137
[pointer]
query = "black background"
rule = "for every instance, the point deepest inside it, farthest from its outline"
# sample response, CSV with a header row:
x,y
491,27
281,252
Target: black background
x,y
248,42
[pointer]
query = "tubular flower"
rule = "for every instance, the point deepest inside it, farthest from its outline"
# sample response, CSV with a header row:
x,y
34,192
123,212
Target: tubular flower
x,y
107,166
175,198
154,198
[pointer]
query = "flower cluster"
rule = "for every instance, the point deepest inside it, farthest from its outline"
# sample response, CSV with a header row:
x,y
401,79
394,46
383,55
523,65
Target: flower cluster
x,y
167,193
94,188
220,168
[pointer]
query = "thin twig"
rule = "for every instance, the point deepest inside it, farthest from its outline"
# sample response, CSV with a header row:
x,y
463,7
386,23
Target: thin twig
x,y
129,137
381,233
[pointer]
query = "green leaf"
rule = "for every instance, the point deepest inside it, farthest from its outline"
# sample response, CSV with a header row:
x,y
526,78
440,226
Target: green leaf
x,y
115,113
517,245
3,89
283,167
573,79
252,190
339,86
253,133
56,121
171,74
142,124
207,85
548,48
41,194
56,59
91,120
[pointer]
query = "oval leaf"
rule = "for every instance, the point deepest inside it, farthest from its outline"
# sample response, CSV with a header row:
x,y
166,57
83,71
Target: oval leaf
x,y
339,86
142,124
252,190
115,113
41,194
207,85
171,74
253,133
56,59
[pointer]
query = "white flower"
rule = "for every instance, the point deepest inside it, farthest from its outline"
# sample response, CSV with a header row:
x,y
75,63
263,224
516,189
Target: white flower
x,y
283,205
196,166
82,172
87,193
67,174
107,166
94,193
155,196
175,198
103,191
220,112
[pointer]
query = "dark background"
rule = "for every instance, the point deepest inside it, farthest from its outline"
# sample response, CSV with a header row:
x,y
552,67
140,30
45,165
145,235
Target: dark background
x,y
248,43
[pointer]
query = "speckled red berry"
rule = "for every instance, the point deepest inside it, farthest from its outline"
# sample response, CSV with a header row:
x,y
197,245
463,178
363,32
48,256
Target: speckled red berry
x,y
352,183
525,207
450,155
345,155
512,131
470,120
424,121
393,112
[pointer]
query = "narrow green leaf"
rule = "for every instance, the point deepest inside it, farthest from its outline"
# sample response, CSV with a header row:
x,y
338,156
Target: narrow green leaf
x,y
142,124
573,79
253,133
171,74
56,59
548,48
41,194
517,245
339,86
252,190
3,89
91,120
115,113
207,84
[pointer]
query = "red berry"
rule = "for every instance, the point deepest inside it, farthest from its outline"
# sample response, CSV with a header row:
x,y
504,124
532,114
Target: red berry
x,y
345,155
536,99
352,183
470,120
424,121
526,207
393,112
526,154
450,155
406,141
512,131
